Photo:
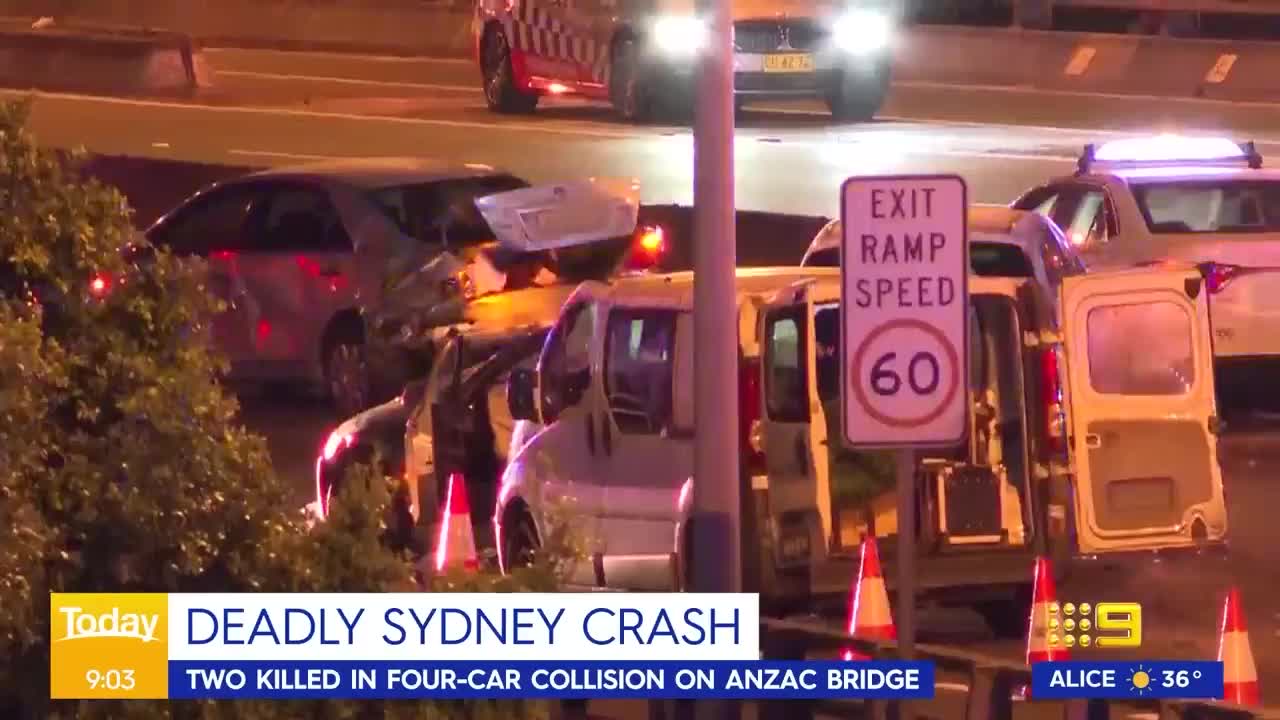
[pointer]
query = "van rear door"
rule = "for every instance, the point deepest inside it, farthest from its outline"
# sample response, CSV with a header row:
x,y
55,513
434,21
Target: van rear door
x,y
1142,410
794,431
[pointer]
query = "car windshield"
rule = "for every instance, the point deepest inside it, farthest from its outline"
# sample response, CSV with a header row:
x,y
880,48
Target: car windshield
x,y
1210,206
986,259
444,209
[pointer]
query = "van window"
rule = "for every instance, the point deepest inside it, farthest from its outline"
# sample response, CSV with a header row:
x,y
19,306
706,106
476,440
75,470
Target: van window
x,y
639,351
786,390
1141,349
565,367
826,334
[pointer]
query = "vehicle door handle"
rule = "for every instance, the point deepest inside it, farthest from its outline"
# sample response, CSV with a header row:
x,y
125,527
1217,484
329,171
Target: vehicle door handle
x,y
591,433
1093,441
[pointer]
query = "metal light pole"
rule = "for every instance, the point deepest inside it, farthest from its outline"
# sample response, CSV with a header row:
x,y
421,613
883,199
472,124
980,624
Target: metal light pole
x,y
716,554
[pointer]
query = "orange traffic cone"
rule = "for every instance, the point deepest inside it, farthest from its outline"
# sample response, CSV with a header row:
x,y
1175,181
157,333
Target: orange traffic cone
x,y
1044,644
1239,675
869,617
457,542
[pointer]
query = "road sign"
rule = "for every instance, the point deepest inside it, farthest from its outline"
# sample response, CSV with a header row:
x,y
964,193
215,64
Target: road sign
x,y
904,303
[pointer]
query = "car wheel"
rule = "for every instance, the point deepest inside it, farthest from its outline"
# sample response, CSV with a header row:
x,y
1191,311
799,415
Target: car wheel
x,y
519,542
500,91
346,370
629,90
859,95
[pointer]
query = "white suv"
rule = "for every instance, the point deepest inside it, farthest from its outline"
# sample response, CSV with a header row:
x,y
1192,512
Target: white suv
x,y
1201,200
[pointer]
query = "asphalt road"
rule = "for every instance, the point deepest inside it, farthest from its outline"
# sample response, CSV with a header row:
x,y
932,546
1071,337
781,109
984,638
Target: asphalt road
x,y
271,108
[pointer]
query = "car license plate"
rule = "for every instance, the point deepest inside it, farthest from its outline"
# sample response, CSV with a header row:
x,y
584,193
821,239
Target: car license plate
x,y
788,63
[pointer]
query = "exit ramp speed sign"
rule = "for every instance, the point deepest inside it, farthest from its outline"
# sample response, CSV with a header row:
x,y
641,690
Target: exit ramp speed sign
x,y
904,305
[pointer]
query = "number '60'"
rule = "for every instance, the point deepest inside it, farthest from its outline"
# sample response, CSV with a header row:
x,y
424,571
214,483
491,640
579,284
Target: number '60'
x,y
923,374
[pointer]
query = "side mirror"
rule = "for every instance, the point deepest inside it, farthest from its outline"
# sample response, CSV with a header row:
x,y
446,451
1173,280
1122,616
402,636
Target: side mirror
x,y
522,395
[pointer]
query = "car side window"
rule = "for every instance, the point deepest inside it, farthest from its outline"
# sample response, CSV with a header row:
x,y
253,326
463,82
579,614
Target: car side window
x,y
638,371
565,367
1041,200
300,219
1089,228
213,222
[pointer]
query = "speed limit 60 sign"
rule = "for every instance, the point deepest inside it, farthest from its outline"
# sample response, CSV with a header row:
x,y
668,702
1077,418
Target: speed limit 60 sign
x,y
904,302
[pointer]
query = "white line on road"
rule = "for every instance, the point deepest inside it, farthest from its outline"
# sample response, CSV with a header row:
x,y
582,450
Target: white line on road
x,y
285,155
368,57
952,687
348,81
289,112
1143,716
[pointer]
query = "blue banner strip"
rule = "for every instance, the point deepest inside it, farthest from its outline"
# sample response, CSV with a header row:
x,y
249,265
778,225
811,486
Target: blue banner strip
x,y
1168,679
764,680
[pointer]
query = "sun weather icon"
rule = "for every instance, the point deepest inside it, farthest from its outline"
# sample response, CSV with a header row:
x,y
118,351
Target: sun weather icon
x,y
1140,681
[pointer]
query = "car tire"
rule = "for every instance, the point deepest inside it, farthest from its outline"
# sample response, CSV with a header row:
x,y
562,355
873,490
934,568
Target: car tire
x,y
346,370
500,91
630,91
519,541
858,96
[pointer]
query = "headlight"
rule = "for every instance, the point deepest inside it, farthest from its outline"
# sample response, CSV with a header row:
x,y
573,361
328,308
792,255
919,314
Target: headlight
x,y
679,34
862,31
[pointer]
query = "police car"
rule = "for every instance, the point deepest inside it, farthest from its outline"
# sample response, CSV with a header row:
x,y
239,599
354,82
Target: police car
x,y
1142,201
641,56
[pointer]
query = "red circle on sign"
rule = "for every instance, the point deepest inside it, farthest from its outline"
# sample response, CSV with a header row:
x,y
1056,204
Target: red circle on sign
x,y
859,361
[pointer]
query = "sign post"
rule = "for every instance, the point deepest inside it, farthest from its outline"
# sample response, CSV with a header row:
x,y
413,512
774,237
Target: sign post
x,y
904,351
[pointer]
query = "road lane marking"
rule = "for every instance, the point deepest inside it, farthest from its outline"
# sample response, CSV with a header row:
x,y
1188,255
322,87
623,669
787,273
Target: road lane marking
x,y
290,112
347,81
366,57
1143,716
1009,89
287,155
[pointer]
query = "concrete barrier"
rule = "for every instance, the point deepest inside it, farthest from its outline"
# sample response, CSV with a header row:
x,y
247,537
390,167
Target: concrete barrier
x,y
1131,65
100,60
395,27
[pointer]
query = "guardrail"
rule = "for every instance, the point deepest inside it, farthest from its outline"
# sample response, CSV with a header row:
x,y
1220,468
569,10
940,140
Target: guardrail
x,y
992,685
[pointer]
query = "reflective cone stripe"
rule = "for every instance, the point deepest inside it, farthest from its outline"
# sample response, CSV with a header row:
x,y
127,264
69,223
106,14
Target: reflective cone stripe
x,y
869,615
1044,644
456,545
1239,674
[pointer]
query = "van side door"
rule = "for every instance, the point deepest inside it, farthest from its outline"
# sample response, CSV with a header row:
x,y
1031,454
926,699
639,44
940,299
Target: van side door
x,y
643,462
795,433
1142,410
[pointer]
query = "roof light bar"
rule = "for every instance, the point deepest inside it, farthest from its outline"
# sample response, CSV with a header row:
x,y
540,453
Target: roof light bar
x,y
1169,149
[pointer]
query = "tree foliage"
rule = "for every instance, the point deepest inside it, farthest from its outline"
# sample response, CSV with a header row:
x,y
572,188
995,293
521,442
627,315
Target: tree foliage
x,y
123,466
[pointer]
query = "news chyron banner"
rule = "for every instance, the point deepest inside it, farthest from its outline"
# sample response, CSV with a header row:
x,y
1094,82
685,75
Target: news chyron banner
x,y
441,646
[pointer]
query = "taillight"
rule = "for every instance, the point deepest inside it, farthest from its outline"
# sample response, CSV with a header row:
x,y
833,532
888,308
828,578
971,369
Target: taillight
x,y
650,246
335,443
749,415
100,285
1055,429
1217,276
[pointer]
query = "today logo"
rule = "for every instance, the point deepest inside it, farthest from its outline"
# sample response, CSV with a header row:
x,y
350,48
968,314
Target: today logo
x,y
114,624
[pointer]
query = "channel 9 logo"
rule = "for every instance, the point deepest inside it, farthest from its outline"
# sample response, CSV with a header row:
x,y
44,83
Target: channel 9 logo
x,y
1109,625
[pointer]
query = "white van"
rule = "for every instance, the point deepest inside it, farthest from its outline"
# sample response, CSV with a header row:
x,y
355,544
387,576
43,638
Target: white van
x,y
1099,442
1114,454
